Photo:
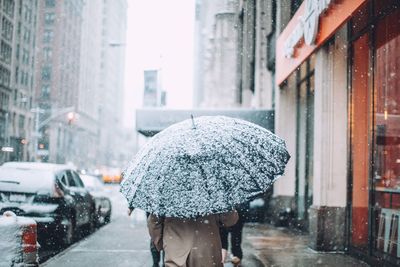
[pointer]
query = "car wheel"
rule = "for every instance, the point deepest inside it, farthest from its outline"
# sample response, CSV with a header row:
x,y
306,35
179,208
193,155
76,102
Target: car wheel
x,y
107,219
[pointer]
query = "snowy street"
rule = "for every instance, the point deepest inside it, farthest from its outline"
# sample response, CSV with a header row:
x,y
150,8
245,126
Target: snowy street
x,y
125,242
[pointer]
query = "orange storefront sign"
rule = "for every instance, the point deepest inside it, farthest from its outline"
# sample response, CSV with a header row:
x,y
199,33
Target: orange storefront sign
x,y
314,23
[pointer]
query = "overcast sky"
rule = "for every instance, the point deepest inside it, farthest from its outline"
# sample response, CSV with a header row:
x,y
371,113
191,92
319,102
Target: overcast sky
x,y
160,35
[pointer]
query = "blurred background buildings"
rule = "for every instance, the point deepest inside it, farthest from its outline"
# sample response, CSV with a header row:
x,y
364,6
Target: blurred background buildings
x,y
62,67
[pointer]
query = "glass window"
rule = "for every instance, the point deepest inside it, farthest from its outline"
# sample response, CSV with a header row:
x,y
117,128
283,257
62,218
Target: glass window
x,y
77,179
46,73
50,3
63,179
49,18
71,180
48,36
5,52
386,172
8,7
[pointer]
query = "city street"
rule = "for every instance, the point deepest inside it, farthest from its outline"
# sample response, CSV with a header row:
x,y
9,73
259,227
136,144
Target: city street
x,y
125,242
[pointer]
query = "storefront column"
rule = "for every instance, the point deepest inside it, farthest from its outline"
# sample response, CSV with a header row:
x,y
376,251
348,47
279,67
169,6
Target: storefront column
x,y
327,214
285,126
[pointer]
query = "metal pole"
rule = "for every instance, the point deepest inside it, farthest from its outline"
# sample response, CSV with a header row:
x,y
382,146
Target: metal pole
x,y
7,154
36,139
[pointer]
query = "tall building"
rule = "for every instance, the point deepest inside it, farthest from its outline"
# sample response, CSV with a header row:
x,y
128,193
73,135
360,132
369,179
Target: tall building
x,y
231,37
86,124
112,64
17,63
57,77
153,95
217,51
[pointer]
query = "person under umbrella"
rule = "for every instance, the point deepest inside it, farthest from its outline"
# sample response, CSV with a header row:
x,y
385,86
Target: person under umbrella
x,y
190,242
191,175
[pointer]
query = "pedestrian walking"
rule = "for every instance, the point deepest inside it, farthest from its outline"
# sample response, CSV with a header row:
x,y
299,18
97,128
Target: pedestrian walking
x,y
235,234
190,242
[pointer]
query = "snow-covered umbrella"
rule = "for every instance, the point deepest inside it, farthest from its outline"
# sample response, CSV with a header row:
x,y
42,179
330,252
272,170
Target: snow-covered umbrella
x,y
202,166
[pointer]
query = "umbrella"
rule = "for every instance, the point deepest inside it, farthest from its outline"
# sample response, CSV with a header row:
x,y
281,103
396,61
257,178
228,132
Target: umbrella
x,y
203,166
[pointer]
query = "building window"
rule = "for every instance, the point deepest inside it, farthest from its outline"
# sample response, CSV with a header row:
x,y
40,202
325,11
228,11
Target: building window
x,y
17,52
50,3
27,35
16,74
5,76
21,124
4,99
25,56
48,36
8,7
374,120
7,29
45,91
47,54
46,73
5,52
49,18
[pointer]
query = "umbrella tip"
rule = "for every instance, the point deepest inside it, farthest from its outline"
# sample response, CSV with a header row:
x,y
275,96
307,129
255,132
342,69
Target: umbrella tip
x,y
193,124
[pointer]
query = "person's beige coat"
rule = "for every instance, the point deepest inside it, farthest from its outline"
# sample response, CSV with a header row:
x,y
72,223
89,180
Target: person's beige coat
x,y
190,243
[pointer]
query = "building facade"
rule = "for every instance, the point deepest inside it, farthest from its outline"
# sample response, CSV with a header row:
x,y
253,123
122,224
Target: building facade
x,y
79,81
231,54
336,108
217,51
153,95
111,88
57,77
329,69
17,63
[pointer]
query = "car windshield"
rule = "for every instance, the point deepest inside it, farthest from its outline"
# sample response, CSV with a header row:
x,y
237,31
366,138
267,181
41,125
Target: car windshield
x,y
25,180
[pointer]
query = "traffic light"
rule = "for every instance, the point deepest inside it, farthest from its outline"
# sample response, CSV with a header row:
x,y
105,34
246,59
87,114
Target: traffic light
x,y
71,117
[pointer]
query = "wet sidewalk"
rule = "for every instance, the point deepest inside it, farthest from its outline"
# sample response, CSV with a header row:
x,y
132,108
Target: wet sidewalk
x,y
265,245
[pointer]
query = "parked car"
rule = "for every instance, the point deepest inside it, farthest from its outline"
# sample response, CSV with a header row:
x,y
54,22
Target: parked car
x,y
52,194
102,201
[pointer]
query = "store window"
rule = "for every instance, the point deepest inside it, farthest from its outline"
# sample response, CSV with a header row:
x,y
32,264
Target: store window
x,y
375,130
386,171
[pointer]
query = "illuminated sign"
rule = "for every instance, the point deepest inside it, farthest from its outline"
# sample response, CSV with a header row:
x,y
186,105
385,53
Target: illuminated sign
x,y
307,26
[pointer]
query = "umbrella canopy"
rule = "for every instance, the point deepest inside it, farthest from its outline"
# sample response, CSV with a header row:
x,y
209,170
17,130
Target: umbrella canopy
x,y
203,166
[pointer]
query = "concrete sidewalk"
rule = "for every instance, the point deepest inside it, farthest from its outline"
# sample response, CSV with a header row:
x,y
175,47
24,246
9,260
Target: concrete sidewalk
x,y
270,246
118,244
124,243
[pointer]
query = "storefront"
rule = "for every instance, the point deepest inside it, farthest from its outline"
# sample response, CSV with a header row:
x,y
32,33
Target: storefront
x,y
375,125
338,70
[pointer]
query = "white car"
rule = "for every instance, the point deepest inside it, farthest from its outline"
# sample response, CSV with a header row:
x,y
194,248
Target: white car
x,y
102,202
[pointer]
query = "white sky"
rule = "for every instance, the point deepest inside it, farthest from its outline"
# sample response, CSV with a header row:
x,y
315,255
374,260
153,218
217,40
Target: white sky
x,y
160,35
